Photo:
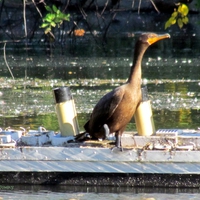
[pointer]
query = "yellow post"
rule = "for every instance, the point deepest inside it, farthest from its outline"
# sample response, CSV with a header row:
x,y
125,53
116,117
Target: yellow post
x,y
66,112
144,116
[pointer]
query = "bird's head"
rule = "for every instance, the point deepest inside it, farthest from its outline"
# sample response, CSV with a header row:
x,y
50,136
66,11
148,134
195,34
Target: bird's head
x,y
151,38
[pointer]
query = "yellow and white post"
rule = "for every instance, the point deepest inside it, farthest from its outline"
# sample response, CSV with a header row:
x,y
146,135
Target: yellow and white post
x,y
66,112
144,115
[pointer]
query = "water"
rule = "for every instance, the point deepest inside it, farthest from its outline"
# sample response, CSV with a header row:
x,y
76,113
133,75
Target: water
x,y
99,193
174,93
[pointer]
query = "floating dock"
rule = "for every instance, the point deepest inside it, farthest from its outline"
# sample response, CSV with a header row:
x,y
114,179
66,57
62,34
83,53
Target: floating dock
x,y
170,158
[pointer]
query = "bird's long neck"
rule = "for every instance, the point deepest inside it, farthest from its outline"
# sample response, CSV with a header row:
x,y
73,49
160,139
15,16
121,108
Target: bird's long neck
x,y
136,71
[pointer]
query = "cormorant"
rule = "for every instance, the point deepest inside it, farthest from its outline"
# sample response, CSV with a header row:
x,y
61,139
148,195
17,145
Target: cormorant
x,y
115,109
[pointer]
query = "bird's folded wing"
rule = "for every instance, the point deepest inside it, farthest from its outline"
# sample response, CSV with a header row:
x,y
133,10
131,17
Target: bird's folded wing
x,y
108,104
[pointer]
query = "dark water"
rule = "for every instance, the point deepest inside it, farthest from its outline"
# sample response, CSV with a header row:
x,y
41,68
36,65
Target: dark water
x,y
99,193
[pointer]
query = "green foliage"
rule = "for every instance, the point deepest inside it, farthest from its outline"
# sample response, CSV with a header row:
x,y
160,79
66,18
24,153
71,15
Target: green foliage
x,y
179,16
53,18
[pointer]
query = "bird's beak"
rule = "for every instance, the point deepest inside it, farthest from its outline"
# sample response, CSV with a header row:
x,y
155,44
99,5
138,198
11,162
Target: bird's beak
x,y
154,39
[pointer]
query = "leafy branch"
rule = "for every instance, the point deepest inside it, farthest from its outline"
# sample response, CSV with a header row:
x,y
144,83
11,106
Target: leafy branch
x,y
179,16
53,18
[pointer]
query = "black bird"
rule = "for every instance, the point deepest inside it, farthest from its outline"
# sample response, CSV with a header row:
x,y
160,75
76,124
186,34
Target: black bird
x,y
115,109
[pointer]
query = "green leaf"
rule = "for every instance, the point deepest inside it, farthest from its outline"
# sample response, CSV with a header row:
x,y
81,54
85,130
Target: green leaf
x,y
183,9
44,25
48,8
180,23
54,8
61,15
167,24
53,24
174,14
67,17
58,12
47,20
185,20
172,20
179,8
49,17
57,20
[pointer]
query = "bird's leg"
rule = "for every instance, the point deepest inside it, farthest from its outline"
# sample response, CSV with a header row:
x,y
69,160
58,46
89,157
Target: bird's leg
x,y
106,131
118,141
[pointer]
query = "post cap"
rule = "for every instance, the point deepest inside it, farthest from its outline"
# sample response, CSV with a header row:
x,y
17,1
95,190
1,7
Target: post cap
x,y
62,94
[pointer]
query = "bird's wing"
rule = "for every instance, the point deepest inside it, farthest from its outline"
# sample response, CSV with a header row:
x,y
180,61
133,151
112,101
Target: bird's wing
x,y
107,105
